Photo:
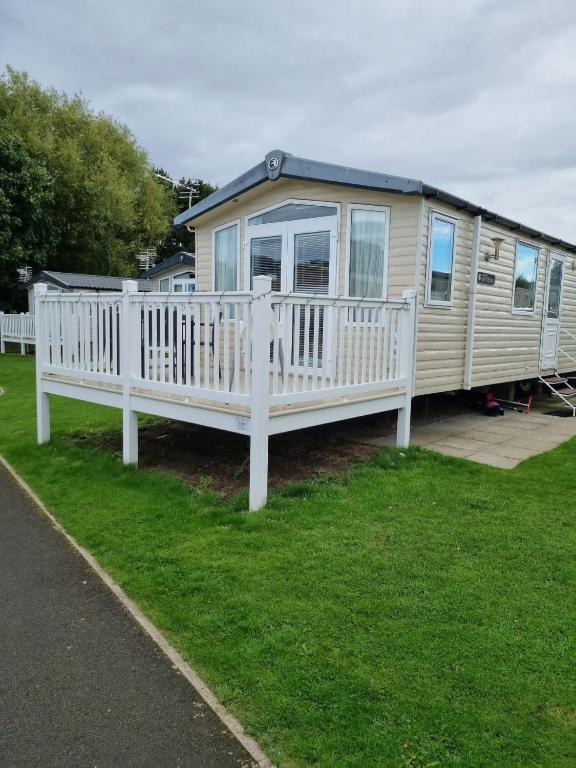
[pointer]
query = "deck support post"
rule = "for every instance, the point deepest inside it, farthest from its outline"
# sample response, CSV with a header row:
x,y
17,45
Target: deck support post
x,y
261,310
22,344
407,349
42,400
2,343
128,364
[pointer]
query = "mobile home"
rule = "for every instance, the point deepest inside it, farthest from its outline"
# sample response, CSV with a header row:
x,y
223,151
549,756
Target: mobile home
x,y
323,293
496,299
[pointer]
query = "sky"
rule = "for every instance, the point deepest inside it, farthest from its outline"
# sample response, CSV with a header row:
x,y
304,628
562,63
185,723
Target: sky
x,y
476,97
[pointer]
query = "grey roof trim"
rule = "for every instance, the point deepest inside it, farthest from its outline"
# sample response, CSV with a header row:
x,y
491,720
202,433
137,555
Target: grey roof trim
x,y
71,280
182,257
279,164
248,180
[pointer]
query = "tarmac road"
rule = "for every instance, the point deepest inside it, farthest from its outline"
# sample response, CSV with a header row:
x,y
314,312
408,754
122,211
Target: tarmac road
x,y
81,684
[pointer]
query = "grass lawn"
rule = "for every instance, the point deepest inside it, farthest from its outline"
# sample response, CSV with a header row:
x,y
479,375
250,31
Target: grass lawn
x,y
418,611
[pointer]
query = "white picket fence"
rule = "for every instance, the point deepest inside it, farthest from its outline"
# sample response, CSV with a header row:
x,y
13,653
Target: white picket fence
x,y
17,329
251,361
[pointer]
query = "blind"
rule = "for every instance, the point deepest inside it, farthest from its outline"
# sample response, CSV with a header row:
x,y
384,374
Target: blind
x,y
312,262
266,259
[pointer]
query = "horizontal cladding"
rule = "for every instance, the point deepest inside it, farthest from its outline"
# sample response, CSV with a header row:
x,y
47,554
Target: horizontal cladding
x,y
568,318
403,226
441,335
506,345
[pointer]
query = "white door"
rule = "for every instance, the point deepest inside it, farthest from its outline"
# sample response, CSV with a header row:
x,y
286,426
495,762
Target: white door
x,y
551,323
301,257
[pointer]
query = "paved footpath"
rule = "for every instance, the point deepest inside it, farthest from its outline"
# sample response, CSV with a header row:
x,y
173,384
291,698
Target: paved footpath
x,y
81,684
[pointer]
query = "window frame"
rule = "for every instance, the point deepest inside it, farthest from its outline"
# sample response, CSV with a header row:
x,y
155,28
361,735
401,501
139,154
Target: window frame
x,y
429,301
180,277
366,207
522,310
250,228
237,223
161,280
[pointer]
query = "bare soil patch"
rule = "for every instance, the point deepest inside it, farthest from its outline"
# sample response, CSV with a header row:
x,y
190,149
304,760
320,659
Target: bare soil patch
x,y
219,460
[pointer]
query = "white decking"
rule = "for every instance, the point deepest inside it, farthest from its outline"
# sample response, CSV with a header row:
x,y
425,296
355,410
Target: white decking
x,y
254,362
18,329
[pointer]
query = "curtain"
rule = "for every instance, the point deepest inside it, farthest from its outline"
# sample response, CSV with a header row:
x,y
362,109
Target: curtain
x,y
368,231
226,259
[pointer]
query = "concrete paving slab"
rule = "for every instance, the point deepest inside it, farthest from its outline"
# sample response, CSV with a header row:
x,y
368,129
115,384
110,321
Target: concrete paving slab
x,y
501,441
485,436
500,462
465,444
528,441
449,451
514,451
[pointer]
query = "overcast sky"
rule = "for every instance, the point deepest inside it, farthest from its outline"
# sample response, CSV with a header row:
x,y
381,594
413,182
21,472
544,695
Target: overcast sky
x,y
476,96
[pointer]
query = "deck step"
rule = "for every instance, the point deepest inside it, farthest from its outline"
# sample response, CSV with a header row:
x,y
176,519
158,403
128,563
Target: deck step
x,y
554,379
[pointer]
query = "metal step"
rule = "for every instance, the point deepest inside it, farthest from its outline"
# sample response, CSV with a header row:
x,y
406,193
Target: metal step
x,y
562,390
568,392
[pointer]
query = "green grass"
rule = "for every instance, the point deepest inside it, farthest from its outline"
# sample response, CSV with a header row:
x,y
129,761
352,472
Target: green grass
x,y
418,613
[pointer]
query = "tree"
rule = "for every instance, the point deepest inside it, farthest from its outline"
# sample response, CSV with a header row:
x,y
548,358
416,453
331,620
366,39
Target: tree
x,y
181,239
26,235
105,203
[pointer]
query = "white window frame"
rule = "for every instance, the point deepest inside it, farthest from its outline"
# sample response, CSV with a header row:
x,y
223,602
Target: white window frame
x,y
363,207
430,302
180,276
236,222
250,229
521,311
161,280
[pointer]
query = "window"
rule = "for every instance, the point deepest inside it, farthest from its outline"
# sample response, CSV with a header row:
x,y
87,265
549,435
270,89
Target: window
x,y
266,259
368,252
311,262
226,245
293,212
165,284
525,275
555,289
441,260
184,282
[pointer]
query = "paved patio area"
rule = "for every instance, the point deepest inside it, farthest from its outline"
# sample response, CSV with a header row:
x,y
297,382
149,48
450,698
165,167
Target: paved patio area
x,y
501,441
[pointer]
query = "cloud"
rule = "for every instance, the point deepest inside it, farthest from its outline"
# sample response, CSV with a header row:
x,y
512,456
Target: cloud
x,y
474,97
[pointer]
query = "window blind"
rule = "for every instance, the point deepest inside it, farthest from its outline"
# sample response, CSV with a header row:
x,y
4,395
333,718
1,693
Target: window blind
x,y
266,259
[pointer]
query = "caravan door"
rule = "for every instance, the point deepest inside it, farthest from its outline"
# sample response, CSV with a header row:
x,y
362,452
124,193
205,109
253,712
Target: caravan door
x,y
551,323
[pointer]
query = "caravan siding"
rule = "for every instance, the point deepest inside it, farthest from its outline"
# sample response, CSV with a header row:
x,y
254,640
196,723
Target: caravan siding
x,y
568,318
441,331
403,227
506,345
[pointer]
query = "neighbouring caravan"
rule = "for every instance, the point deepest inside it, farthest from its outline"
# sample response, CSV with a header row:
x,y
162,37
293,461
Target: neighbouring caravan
x,y
496,299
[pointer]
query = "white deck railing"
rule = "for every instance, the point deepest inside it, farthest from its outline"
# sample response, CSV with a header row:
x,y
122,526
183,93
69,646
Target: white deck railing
x,y
254,354
19,329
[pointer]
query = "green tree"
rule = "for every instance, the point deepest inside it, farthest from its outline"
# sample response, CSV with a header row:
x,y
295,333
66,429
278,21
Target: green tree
x,y
26,236
106,203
